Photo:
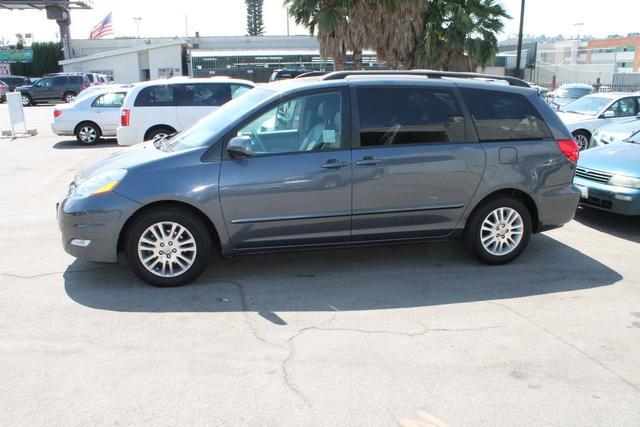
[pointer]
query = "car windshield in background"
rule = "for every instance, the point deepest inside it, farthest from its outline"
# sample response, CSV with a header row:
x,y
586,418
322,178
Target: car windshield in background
x,y
573,92
589,105
201,133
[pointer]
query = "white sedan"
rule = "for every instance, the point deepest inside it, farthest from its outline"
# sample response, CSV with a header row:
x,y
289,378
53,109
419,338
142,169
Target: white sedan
x,y
90,117
583,116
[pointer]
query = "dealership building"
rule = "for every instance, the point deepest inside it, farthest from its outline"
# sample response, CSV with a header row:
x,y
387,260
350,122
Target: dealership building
x,y
254,58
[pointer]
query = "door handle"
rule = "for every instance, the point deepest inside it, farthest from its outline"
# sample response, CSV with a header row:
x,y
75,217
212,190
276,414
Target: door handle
x,y
334,164
368,161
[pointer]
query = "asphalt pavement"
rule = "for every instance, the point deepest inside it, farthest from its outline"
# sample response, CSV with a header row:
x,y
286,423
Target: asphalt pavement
x,y
419,335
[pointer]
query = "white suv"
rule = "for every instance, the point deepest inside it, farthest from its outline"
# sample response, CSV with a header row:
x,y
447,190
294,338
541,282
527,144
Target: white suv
x,y
162,107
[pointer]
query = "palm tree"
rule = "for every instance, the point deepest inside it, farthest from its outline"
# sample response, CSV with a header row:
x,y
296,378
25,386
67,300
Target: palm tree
x,y
461,34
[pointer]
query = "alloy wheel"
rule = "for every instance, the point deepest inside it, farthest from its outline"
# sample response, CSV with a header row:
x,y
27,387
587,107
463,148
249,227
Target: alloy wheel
x,y
88,134
501,231
167,249
582,140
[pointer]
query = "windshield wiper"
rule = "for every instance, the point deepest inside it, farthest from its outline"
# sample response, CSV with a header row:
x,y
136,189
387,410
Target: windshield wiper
x,y
574,112
632,141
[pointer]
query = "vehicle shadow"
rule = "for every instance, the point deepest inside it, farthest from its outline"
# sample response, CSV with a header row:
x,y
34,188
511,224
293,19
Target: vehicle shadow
x,y
344,280
72,144
625,227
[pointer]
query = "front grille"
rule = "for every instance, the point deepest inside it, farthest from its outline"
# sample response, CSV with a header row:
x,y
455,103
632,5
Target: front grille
x,y
593,175
597,201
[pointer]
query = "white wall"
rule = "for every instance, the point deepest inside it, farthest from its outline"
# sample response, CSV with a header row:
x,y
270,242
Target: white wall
x,y
165,57
125,67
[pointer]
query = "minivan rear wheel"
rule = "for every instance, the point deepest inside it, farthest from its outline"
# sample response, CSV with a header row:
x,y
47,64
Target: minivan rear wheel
x,y
168,247
499,231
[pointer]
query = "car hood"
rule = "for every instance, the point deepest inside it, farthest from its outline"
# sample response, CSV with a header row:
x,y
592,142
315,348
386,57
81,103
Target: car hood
x,y
570,118
619,130
622,158
128,158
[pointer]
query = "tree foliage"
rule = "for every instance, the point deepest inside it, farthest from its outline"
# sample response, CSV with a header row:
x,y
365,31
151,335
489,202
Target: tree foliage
x,y
255,23
45,60
442,34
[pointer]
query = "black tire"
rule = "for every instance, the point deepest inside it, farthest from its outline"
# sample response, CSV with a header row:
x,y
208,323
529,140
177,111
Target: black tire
x,y
474,238
27,100
88,133
67,95
182,217
583,138
157,132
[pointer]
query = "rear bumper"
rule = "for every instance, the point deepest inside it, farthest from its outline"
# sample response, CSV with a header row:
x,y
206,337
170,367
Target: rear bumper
x,y
556,205
621,200
62,129
96,220
128,135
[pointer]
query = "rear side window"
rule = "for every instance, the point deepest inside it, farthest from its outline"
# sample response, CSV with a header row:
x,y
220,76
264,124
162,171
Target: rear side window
x,y
156,96
503,116
109,100
59,81
399,116
237,90
203,94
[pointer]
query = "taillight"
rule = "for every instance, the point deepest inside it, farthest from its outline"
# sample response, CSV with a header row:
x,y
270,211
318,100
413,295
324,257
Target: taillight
x,y
57,113
3,86
84,85
125,114
569,148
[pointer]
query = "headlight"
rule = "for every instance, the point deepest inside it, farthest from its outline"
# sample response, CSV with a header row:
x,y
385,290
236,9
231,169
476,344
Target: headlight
x,y
624,181
99,184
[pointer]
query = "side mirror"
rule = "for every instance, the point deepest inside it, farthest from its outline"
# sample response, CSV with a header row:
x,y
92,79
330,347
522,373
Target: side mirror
x,y
608,114
240,146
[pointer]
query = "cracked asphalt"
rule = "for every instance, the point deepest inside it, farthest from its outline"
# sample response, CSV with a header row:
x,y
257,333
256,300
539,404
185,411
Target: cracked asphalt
x,y
409,335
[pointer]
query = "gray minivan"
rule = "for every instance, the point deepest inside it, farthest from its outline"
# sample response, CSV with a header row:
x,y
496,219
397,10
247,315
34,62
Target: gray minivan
x,y
351,158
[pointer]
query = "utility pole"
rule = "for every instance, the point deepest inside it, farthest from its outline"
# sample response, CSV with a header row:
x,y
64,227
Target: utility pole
x,y
186,26
519,48
137,20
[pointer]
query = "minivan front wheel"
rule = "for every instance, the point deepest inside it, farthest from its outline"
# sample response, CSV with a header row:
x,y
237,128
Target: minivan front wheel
x,y
168,247
499,231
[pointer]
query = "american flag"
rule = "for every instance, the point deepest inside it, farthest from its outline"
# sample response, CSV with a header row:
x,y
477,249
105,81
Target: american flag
x,y
103,28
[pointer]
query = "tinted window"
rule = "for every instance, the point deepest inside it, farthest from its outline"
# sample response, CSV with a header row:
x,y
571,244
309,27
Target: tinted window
x,y
91,78
500,116
109,100
203,94
305,123
156,96
48,82
396,116
59,81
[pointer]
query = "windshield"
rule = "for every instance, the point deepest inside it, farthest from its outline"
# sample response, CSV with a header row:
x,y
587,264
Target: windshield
x,y
573,92
589,105
200,134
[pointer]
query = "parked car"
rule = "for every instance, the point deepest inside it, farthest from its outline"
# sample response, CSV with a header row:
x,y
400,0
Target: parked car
x,y
609,177
90,117
163,107
568,93
14,82
452,158
4,88
583,116
56,87
617,132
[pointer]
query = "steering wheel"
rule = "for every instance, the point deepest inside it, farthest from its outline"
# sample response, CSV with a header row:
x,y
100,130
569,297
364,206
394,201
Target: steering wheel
x,y
256,141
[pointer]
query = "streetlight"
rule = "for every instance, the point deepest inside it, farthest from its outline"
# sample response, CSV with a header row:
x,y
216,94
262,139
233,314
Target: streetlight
x,y
137,20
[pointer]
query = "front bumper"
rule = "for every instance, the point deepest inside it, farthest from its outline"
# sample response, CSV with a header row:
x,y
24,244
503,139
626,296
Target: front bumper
x,y
621,200
96,219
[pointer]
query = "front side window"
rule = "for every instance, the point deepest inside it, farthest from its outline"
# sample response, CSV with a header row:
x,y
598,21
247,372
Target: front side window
x,y
44,83
504,116
156,96
626,107
203,94
305,123
399,116
109,100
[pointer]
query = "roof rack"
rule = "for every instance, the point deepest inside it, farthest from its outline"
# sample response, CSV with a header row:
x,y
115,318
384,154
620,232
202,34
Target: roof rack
x,y
339,75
